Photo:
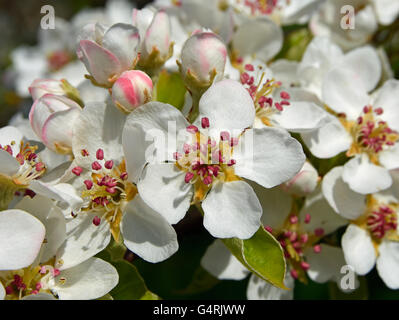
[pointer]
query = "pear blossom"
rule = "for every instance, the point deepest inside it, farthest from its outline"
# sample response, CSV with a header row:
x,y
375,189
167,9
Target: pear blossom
x,y
107,52
372,235
366,17
132,89
189,176
304,183
299,235
111,204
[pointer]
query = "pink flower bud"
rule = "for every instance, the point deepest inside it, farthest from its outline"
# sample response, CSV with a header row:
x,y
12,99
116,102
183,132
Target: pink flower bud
x,y
106,54
40,87
304,182
51,118
202,54
132,89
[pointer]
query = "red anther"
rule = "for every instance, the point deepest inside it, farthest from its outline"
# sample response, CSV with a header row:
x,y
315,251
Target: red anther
x,y
284,95
77,171
32,156
282,243
188,177
378,111
307,218
8,149
305,266
268,228
287,233
293,237
56,272
35,292
366,109
317,248
278,106
249,67
233,142
224,136
244,78
39,166
9,290
110,190
96,221
294,273
205,122
285,103
293,219
38,286
232,162
96,165
319,232
109,164
177,155
84,153
208,180
20,158
42,270
100,154
124,176
192,129
360,120
30,193
89,184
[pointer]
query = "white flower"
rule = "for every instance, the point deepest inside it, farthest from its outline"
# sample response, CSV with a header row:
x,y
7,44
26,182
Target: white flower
x,y
372,236
208,172
111,204
304,183
367,15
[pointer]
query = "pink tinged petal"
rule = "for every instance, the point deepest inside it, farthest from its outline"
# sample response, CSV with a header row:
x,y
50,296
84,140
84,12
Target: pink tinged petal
x,y
268,156
388,263
344,91
122,40
101,63
173,194
221,263
304,182
328,140
202,53
365,64
158,35
40,87
146,233
228,106
358,249
232,209
340,197
260,37
364,177
21,237
142,20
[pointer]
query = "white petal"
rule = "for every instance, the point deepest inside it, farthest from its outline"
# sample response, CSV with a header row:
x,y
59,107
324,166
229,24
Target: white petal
x,y
388,263
387,10
150,126
325,265
387,100
285,71
329,140
365,64
358,249
147,233
390,158
364,177
83,241
268,156
322,215
228,106
8,164
341,198
21,237
9,134
99,126
260,37
39,296
221,263
2,292
344,92
162,187
258,289
52,219
91,279
231,209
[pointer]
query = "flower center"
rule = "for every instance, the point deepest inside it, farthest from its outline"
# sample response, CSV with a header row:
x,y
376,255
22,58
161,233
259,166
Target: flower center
x,y
261,7
30,280
261,93
206,161
370,135
58,59
107,191
294,241
382,220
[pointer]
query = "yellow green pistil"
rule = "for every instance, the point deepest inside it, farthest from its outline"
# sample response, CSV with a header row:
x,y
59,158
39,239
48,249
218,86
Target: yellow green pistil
x,y
206,161
107,191
370,135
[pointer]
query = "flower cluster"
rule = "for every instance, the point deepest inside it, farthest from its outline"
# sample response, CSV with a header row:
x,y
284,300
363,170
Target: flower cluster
x,y
146,116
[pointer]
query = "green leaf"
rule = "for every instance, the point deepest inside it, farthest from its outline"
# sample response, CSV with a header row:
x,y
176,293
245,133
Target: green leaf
x,y
170,89
131,285
106,297
262,255
202,281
